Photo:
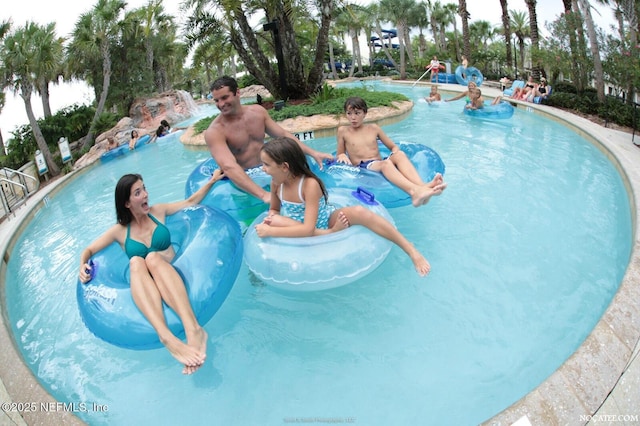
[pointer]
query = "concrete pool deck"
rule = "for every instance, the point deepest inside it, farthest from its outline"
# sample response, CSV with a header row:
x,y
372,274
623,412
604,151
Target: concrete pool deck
x,y
599,383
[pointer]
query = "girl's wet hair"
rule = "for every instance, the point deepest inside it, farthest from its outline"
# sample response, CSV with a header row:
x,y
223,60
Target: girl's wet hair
x,y
286,150
123,193
355,102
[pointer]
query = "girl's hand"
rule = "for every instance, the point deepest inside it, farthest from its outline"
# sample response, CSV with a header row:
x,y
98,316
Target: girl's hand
x,y
262,230
217,175
267,220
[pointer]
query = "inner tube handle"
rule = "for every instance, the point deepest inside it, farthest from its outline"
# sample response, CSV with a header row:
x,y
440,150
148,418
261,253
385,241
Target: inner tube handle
x,y
94,269
365,196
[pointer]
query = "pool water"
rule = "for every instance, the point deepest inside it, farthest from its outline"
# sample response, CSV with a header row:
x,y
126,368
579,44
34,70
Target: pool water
x,y
528,245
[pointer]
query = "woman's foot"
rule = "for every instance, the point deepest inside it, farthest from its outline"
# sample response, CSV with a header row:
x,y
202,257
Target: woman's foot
x,y
185,354
198,341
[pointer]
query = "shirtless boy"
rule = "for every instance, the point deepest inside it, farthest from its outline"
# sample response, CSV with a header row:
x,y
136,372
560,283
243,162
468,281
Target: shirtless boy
x,y
434,96
358,146
237,134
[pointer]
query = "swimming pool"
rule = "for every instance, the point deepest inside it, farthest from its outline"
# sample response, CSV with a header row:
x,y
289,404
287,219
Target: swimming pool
x,y
528,245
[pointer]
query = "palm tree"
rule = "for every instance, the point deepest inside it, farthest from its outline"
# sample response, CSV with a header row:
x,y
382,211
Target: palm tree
x,y
464,14
628,10
533,31
449,17
398,12
520,27
5,26
377,17
93,35
421,20
155,25
20,56
481,32
506,28
439,18
353,19
50,52
598,71
298,81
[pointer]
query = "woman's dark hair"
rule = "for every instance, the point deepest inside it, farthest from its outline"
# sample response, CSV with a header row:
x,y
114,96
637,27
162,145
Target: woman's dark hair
x,y
355,102
123,193
134,134
160,131
286,150
165,123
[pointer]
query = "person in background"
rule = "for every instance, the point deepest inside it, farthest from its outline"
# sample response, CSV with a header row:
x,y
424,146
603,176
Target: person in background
x,y
133,140
434,66
111,143
476,101
434,96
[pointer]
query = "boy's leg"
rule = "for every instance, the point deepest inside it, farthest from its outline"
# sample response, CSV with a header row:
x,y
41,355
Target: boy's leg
x,y
406,167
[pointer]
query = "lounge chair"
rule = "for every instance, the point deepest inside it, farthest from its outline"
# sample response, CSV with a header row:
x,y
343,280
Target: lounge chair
x,y
514,85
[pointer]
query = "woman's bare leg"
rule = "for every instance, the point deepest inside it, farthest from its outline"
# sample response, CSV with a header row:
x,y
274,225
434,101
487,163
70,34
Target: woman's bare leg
x,y
174,293
148,299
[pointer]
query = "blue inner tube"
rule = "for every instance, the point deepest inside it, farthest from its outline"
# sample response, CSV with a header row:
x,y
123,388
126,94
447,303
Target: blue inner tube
x,y
225,195
464,76
208,245
322,262
426,161
123,149
499,111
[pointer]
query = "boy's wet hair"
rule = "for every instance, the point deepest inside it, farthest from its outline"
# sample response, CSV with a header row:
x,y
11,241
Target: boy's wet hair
x,y
355,102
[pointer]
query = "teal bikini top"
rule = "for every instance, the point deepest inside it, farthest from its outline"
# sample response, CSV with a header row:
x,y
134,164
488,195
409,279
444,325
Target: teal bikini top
x,y
160,240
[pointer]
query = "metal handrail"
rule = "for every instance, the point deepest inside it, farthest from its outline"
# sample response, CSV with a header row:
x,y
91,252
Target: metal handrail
x,y
5,201
21,177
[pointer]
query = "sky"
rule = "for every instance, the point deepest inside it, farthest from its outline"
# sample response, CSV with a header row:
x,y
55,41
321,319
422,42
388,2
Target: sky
x,y
66,94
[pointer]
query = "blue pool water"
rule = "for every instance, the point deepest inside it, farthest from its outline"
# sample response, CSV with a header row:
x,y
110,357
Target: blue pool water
x,y
527,245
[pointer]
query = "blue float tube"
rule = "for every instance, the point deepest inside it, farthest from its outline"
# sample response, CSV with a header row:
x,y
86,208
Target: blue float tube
x,y
208,246
464,76
426,161
226,196
123,149
500,111
444,77
321,262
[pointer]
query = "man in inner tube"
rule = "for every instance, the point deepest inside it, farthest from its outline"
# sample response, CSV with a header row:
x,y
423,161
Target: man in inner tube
x,y
237,134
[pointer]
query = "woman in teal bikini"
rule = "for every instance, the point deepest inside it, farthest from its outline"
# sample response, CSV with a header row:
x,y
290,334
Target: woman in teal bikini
x,y
142,234
299,205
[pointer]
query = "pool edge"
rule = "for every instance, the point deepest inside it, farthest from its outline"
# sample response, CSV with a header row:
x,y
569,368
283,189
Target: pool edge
x,y
18,385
